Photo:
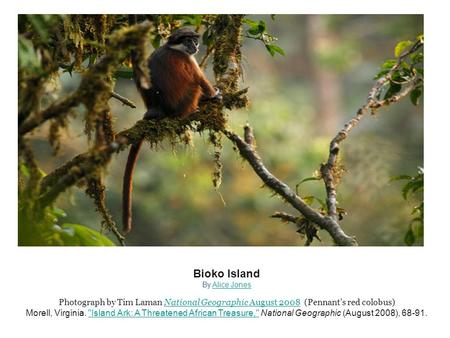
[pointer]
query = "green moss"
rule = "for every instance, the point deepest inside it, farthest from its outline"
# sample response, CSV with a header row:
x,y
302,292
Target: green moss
x,y
216,140
96,190
105,41
227,54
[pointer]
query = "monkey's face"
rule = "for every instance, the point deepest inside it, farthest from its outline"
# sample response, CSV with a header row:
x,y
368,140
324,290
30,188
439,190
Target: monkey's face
x,y
191,44
188,45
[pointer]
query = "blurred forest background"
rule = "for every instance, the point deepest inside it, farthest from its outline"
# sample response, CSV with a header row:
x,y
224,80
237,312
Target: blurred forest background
x,y
298,102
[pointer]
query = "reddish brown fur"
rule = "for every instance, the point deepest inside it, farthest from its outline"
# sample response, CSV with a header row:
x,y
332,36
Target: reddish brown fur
x,y
177,86
183,96
127,188
177,83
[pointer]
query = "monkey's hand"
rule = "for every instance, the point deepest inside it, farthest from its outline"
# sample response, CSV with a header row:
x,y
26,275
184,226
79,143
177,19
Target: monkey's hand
x,y
217,96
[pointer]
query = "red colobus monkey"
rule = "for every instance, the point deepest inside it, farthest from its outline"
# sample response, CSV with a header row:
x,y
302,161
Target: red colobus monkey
x,y
177,85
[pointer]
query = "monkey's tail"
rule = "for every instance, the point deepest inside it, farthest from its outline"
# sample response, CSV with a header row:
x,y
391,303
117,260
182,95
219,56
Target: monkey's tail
x,y
127,188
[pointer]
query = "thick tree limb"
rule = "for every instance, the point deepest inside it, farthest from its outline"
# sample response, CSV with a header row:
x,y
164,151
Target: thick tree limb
x,y
324,222
70,173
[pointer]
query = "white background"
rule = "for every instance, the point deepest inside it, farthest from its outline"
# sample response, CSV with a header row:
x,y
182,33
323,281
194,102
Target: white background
x,y
415,277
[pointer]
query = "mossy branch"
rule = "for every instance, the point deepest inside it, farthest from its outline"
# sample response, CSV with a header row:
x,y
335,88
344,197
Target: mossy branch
x,y
95,89
58,108
210,117
72,172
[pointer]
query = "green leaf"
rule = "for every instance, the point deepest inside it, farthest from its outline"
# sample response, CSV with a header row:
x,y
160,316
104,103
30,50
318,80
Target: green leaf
x,y
207,37
381,73
393,89
273,49
249,22
385,68
59,212
401,46
27,55
68,68
253,25
256,28
405,66
388,64
156,42
401,75
76,234
262,25
419,229
53,214
308,199
124,73
24,170
413,186
417,57
415,95
400,177
192,20
416,220
418,209
409,237
39,24
312,178
272,16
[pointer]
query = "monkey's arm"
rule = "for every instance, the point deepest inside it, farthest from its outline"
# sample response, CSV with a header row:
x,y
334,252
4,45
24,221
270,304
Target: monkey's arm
x,y
208,90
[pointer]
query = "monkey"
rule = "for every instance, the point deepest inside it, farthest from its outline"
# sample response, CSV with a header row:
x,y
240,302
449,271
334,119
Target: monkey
x,y
177,86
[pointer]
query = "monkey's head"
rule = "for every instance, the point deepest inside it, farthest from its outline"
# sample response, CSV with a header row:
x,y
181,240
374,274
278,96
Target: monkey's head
x,y
184,40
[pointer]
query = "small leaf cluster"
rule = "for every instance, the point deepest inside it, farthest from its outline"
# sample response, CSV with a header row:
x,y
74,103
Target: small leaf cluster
x,y
68,234
413,185
323,209
304,226
257,30
409,69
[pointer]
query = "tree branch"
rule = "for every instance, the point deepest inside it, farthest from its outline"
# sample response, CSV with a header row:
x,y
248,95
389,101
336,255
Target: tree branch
x,y
69,174
55,109
324,222
124,100
329,169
